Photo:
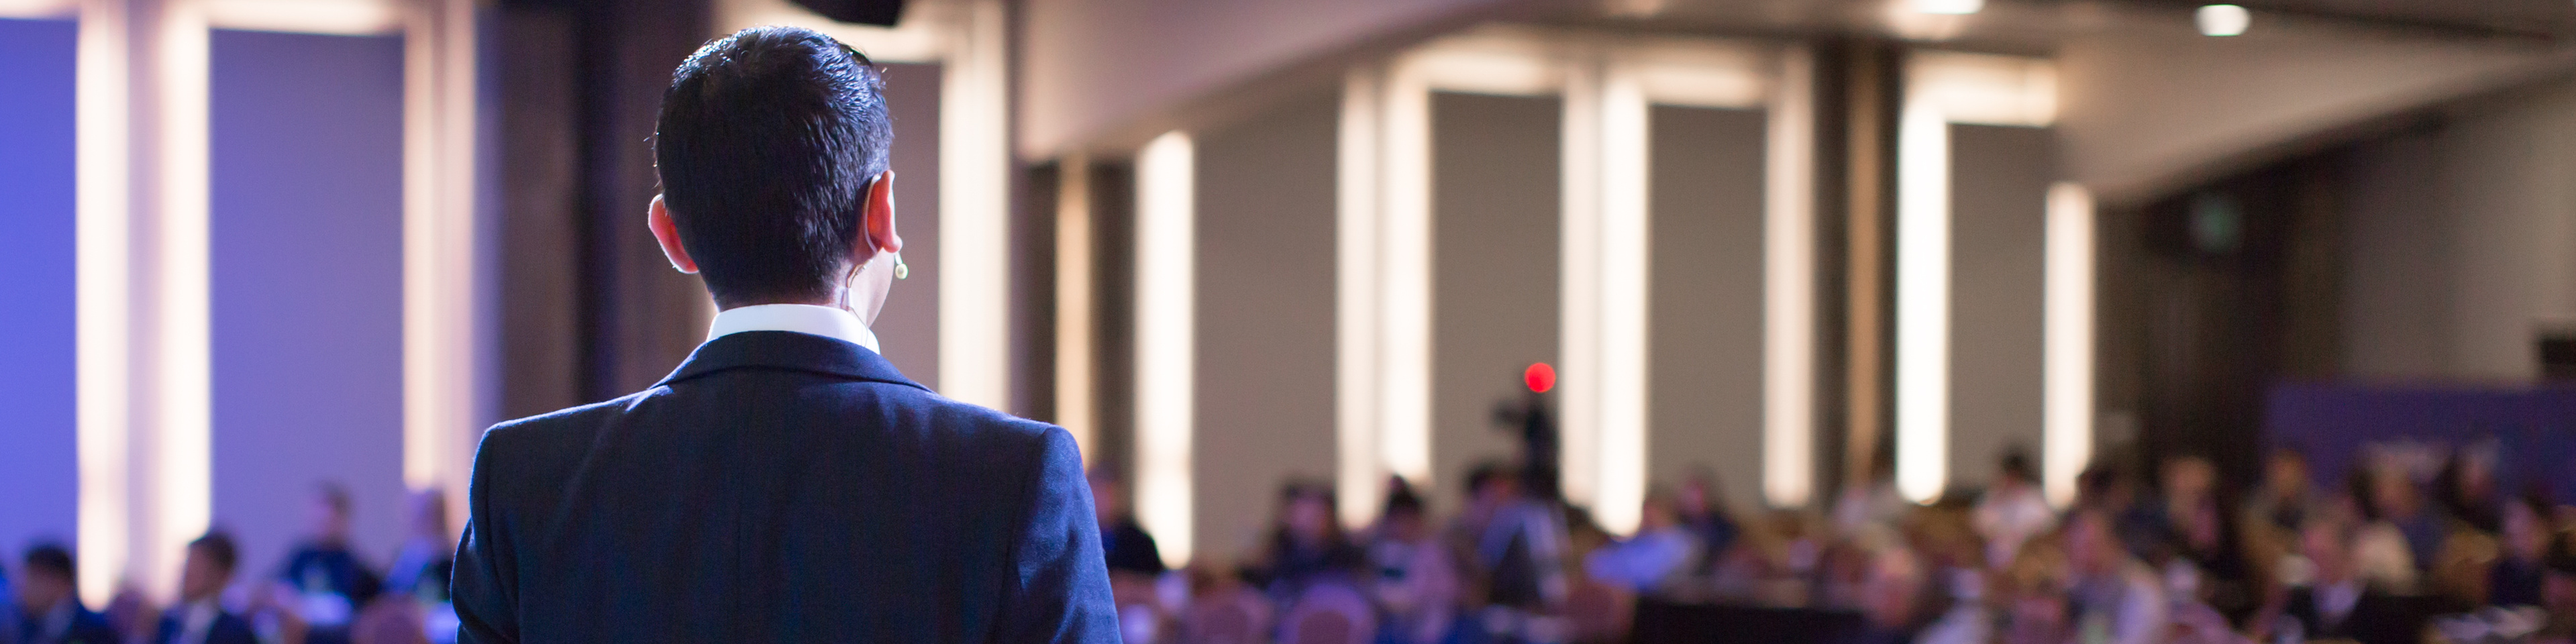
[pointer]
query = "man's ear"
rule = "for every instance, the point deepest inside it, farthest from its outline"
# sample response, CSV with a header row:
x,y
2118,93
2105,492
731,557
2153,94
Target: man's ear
x,y
658,218
878,218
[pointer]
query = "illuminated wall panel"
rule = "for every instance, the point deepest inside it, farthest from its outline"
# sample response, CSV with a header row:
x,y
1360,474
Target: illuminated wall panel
x,y
37,193
308,247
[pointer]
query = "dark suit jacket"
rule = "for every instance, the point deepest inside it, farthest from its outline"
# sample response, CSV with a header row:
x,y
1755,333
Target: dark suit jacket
x,y
227,629
781,487
87,627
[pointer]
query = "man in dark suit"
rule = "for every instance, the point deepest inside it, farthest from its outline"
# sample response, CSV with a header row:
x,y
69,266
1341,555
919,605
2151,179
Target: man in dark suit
x,y
2338,604
200,617
327,581
53,613
786,483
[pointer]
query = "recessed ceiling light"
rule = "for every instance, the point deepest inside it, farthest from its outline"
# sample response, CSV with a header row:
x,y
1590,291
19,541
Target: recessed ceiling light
x,y
2223,20
1948,7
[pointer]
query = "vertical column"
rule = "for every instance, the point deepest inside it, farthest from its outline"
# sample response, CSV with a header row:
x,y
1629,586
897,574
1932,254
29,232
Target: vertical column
x,y
1604,309
1165,338
1789,287
1923,302
144,356
1356,389
1075,330
974,201
2067,408
1383,290
440,427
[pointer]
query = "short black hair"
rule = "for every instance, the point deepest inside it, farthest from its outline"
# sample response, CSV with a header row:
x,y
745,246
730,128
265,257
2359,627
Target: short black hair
x,y
767,143
1401,499
218,547
52,559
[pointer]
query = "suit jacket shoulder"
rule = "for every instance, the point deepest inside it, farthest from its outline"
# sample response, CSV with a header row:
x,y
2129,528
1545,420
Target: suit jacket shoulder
x,y
780,487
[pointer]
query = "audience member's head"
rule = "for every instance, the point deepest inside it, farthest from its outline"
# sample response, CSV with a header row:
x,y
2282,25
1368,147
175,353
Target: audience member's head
x,y
1307,513
2327,543
1491,484
2285,472
2188,479
1892,589
331,512
2525,529
51,578
2101,486
2014,471
1108,496
772,148
1404,517
2387,493
429,514
2093,549
1700,494
1660,510
210,565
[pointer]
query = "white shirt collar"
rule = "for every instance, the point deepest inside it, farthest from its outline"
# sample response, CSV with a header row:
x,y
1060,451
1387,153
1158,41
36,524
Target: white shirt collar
x,y
809,319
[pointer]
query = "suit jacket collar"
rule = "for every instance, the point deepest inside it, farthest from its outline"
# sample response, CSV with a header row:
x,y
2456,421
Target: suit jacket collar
x,y
788,350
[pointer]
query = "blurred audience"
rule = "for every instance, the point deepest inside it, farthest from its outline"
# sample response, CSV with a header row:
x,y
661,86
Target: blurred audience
x,y
50,610
1122,539
200,617
2012,511
1416,581
1660,552
2402,554
327,580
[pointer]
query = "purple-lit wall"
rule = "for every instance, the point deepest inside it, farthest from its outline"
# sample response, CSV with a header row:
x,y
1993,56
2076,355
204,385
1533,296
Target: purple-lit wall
x,y
307,218
39,473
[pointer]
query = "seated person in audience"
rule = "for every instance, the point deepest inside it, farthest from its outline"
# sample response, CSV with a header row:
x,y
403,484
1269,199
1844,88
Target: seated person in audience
x,y
1660,552
1123,542
1306,545
1893,597
1416,582
1490,487
327,581
2153,529
428,555
2521,570
2012,510
2396,501
2338,603
2382,552
2286,497
1869,510
2465,490
2032,593
200,617
2558,597
50,609
1703,513
2112,594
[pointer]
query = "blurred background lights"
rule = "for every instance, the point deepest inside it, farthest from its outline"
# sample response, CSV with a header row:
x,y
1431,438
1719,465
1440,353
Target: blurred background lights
x,y
2223,20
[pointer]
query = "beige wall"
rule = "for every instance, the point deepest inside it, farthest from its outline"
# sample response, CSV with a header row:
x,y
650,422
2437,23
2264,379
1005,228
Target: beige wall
x,y
1494,223
1705,343
2461,242
1265,317
1998,208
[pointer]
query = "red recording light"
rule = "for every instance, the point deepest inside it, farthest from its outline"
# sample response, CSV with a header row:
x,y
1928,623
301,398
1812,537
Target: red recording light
x,y
1540,377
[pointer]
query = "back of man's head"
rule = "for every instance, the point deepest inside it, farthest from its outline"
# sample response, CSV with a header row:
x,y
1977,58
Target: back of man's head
x,y
49,560
767,142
